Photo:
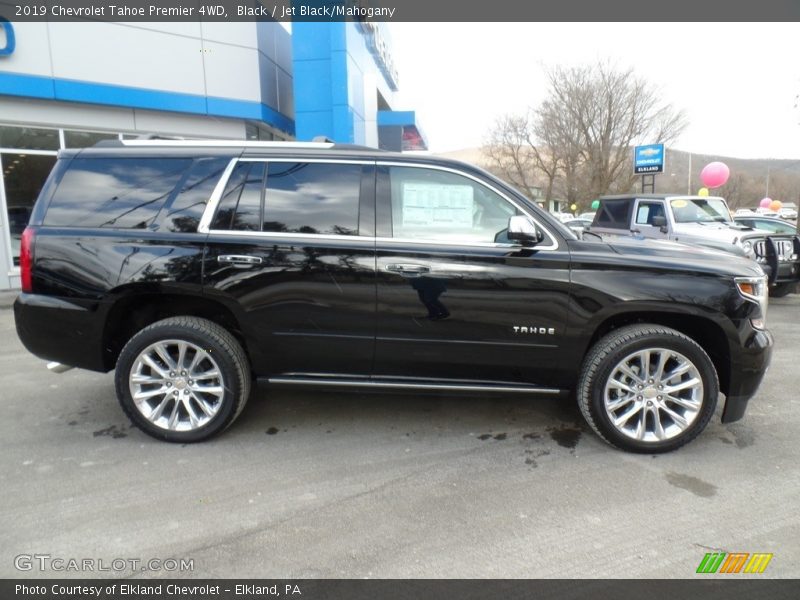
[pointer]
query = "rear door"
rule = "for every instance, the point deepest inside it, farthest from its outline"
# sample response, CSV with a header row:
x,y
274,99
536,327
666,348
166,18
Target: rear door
x,y
291,244
457,302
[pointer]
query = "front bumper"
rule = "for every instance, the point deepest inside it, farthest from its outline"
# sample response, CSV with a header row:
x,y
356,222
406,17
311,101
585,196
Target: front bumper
x,y
749,364
777,253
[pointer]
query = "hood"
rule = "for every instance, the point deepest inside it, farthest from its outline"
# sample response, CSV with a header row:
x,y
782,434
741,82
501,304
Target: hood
x,y
673,256
719,232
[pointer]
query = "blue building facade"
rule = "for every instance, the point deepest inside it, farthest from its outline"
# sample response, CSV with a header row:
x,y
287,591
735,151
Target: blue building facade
x,y
70,85
345,85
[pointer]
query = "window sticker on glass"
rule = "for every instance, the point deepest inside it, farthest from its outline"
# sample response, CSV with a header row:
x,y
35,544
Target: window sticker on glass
x,y
437,206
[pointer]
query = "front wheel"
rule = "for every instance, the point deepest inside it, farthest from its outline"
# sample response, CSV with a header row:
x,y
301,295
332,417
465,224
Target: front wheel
x,y
182,379
647,388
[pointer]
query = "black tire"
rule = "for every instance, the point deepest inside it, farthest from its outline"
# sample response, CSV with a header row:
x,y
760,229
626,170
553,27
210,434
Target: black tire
x,y
604,357
217,342
782,289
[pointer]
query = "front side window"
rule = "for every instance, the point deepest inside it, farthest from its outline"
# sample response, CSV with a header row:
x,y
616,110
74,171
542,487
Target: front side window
x,y
646,211
439,205
319,198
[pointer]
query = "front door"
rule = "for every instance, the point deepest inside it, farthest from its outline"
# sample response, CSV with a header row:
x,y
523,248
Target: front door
x,y
292,247
456,300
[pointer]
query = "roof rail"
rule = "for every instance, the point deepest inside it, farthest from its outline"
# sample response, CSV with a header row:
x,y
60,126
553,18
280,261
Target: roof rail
x,y
225,143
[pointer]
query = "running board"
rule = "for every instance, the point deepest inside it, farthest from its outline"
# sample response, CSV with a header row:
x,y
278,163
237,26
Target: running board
x,y
398,385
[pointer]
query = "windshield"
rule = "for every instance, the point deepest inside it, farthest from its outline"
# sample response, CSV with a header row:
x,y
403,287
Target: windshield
x,y
700,210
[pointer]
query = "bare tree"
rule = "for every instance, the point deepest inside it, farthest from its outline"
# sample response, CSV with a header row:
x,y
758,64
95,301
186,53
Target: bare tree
x,y
606,112
579,140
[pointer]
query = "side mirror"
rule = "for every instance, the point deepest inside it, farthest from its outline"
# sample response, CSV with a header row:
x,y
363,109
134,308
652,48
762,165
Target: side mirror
x,y
660,221
521,229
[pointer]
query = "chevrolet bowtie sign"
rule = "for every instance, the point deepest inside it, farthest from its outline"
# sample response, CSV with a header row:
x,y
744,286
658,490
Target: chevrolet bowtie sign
x,y
648,159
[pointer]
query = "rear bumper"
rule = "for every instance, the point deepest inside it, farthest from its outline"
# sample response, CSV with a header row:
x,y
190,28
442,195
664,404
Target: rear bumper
x,y
55,329
749,364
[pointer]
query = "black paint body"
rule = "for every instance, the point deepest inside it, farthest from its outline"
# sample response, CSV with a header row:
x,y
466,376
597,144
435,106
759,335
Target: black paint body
x,y
331,307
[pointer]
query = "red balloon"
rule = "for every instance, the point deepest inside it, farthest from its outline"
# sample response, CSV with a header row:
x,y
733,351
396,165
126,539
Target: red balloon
x,y
715,174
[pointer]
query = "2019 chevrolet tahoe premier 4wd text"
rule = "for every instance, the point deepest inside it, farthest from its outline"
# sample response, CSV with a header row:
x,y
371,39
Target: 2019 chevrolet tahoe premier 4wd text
x,y
196,268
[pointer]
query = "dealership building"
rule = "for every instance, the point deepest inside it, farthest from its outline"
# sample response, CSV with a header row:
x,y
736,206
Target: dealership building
x,y
70,85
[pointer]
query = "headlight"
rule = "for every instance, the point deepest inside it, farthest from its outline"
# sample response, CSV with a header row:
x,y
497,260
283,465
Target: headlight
x,y
755,290
748,249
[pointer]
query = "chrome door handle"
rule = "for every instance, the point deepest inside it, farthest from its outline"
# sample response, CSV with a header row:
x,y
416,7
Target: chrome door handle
x,y
239,260
408,269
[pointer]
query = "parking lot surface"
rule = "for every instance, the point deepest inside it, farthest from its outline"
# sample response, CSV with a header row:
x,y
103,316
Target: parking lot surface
x,y
332,484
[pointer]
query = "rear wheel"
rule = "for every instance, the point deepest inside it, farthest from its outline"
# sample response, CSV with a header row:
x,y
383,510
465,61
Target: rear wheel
x,y
647,388
182,379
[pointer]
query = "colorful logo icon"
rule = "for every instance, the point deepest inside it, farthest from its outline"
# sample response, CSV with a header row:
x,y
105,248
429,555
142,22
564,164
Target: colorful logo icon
x,y
734,562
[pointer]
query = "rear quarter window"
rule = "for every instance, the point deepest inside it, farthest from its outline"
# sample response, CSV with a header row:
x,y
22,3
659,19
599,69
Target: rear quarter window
x,y
116,193
614,214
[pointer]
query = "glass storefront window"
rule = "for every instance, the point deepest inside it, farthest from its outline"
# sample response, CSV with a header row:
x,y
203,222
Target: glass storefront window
x,y
28,138
23,176
84,139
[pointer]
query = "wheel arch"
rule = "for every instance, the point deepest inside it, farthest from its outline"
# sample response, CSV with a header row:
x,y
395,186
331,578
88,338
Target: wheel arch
x,y
134,309
709,334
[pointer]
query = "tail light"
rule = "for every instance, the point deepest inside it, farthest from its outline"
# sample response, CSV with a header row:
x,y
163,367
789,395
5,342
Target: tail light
x,y
26,260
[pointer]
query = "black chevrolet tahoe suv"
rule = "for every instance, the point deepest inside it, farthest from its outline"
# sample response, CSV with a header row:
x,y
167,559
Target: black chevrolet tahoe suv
x,y
194,269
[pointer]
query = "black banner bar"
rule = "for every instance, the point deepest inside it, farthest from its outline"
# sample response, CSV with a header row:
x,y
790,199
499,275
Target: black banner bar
x,y
399,10
707,587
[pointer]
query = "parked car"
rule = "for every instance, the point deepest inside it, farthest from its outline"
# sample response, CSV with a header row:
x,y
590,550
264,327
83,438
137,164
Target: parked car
x,y
579,225
703,221
196,269
767,212
563,217
589,216
788,213
770,224
744,212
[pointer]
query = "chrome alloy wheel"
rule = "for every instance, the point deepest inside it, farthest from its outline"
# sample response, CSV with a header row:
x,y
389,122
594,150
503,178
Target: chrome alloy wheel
x,y
653,394
176,385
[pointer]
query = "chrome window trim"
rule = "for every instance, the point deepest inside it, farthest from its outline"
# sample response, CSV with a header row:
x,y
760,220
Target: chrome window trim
x,y
553,241
346,161
228,144
216,196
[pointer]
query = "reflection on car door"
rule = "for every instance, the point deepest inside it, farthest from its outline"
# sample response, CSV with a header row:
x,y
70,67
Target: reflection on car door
x,y
293,243
456,300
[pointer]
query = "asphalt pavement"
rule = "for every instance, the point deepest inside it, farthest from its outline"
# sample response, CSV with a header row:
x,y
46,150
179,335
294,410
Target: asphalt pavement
x,y
333,484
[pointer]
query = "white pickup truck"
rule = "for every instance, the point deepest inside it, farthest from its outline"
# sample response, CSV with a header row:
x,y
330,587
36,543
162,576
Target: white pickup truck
x,y
702,221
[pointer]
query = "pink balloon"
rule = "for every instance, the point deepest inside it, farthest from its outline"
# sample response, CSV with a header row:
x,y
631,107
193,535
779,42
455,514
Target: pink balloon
x,y
715,174
765,202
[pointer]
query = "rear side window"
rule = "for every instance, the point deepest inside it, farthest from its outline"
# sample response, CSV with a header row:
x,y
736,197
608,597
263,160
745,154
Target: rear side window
x,y
240,205
118,193
614,214
291,197
187,208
